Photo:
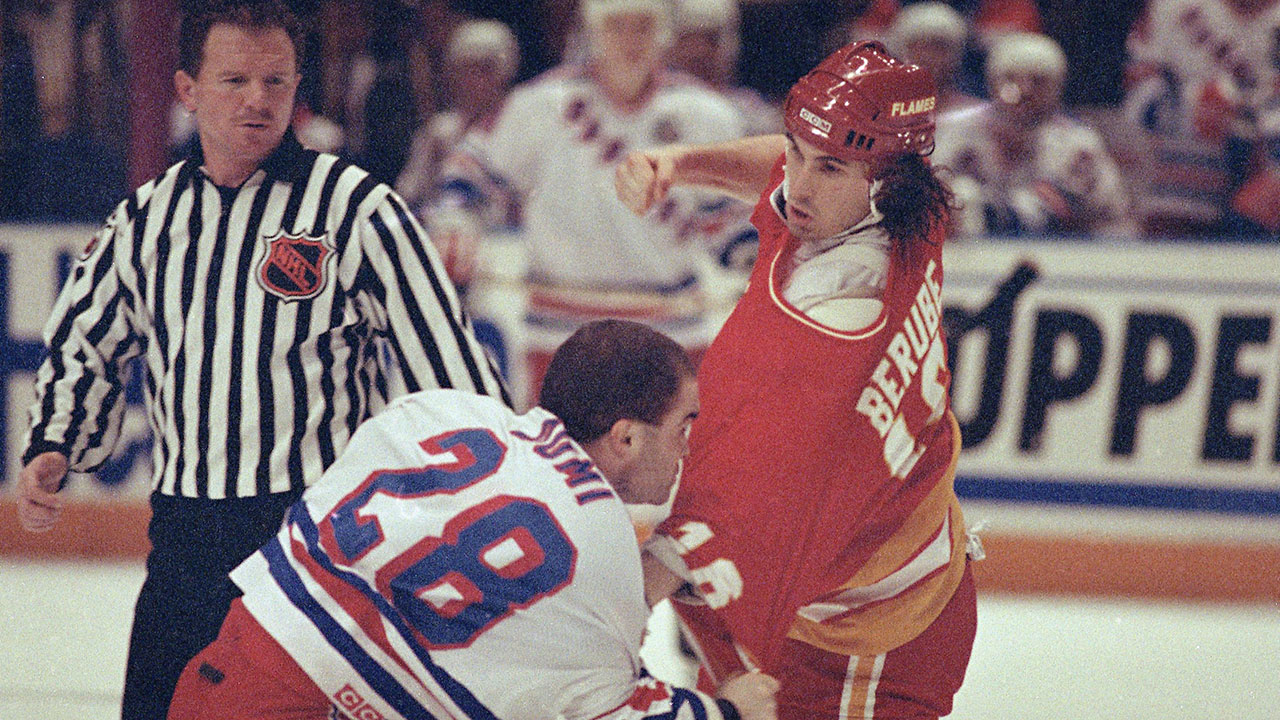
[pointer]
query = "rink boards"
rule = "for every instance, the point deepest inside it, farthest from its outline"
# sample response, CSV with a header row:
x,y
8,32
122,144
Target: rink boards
x,y
1120,407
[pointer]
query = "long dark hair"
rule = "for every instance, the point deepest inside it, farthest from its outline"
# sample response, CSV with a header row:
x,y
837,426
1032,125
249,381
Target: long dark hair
x,y
912,198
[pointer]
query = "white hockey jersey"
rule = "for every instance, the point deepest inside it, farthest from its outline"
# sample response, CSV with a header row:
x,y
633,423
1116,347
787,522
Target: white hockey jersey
x,y
1201,39
1064,182
462,562
1205,72
554,148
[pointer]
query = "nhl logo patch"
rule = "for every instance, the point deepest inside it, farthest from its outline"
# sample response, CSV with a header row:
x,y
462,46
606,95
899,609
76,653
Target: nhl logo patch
x,y
294,267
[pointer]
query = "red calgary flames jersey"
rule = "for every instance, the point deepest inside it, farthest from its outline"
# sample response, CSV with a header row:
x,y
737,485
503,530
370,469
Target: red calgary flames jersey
x,y
817,501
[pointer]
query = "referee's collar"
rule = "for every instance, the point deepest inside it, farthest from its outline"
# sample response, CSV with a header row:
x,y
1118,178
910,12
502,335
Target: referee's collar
x,y
282,164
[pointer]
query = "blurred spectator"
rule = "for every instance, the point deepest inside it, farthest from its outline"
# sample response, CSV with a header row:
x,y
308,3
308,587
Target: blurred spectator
x,y
933,35
63,119
1204,90
1020,166
479,66
706,46
553,148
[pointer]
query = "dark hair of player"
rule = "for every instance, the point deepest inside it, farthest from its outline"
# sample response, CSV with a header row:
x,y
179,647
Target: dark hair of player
x,y
612,370
912,198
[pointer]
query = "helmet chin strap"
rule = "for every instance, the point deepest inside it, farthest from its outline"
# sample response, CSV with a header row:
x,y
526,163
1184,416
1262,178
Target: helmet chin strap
x,y
872,217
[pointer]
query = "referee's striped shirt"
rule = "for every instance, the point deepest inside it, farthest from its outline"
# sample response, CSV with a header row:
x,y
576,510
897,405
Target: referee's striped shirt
x,y
262,314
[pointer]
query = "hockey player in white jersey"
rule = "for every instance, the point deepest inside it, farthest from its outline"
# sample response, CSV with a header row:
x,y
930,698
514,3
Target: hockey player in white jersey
x,y
1206,91
480,63
1023,167
706,44
462,562
552,152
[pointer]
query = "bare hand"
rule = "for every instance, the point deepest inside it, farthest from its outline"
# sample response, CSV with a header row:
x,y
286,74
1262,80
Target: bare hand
x,y
458,251
38,507
642,179
659,581
753,694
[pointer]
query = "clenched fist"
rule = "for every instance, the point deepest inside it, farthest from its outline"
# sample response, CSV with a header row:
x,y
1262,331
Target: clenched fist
x,y
643,178
38,507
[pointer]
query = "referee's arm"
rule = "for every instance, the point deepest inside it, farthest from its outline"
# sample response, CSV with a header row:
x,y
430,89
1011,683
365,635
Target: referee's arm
x,y
80,385
417,307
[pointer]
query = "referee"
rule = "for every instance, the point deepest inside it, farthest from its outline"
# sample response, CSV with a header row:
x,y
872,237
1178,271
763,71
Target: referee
x,y
260,283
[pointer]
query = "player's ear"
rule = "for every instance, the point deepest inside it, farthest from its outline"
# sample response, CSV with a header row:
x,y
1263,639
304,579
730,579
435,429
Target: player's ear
x,y
625,446
184,85
625,436
615,450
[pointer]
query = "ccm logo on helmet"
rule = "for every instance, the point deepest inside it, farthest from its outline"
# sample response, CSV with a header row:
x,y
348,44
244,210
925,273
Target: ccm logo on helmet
x,y
914,107
814,120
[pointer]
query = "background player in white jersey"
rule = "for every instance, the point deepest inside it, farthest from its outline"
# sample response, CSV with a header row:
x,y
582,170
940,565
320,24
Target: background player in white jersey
x,y
553,149
1206,92
705,44
1021,166
462,561
479,66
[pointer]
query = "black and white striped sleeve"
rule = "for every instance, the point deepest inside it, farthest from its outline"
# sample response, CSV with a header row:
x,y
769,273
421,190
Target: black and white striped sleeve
x,y
416,307
80,386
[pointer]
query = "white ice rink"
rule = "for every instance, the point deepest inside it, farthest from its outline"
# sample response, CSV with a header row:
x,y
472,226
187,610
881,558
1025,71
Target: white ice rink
x,y
64,629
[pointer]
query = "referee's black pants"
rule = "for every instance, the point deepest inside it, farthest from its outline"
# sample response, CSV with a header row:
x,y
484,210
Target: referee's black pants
x,y
194,544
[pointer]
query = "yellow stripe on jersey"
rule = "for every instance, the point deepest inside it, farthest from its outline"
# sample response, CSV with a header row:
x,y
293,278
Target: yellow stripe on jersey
x,y
880,626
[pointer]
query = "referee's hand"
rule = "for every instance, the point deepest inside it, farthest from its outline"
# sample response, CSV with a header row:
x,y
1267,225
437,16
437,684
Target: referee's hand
x,y
38,507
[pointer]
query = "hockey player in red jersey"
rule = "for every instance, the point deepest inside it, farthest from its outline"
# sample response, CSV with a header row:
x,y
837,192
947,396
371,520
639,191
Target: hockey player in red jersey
x,y
817,516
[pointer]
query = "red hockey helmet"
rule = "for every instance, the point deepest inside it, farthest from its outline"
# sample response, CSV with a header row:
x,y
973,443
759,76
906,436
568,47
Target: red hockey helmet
x,y
861,103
